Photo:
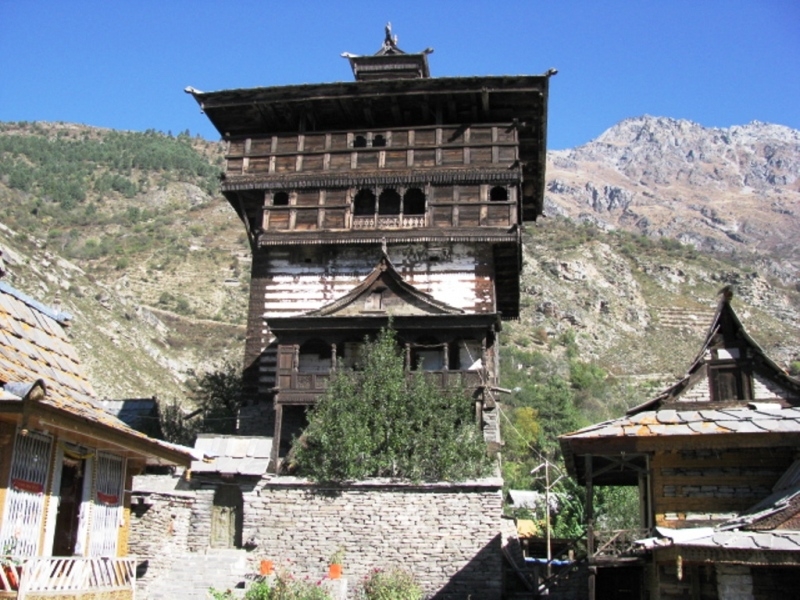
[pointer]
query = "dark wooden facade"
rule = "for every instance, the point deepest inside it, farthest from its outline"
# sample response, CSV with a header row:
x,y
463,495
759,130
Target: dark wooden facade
x,y
434,176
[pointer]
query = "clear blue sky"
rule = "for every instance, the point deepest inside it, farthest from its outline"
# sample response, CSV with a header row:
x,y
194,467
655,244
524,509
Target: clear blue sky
x,y
124,64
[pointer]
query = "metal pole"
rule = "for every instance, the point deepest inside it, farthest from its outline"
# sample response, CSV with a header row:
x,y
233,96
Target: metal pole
x,y
547,513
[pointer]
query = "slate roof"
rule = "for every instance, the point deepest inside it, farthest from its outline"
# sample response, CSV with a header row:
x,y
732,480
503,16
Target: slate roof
x,y
35,351
233,454
139,413
34,345
775,541
756,417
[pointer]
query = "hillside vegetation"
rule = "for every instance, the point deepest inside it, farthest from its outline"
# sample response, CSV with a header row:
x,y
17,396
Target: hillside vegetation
x,y
128,233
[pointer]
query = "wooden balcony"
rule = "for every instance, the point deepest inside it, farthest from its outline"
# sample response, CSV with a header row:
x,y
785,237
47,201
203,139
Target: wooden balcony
x,y
616,543
305,388
35,578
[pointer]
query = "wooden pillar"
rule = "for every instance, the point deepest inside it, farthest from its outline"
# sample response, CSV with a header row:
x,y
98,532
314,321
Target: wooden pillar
x,y
276,440
589,509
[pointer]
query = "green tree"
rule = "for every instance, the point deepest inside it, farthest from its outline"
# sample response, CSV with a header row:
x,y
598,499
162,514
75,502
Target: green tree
x,y
175,427
378,421
218,396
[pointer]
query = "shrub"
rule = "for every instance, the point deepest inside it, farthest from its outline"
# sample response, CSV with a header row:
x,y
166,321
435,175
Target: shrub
x,y
283,587
380,422
395,584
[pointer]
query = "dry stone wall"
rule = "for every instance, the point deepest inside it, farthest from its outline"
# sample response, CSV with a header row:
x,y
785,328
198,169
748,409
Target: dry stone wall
x,y
447,535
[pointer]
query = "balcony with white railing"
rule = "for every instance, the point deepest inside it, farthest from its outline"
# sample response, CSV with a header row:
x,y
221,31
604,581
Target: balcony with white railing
x,y
33,578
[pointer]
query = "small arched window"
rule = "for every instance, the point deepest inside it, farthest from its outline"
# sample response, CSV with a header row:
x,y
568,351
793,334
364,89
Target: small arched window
x,y
280,199
414,202
360,142
389,202
364,203
498,194
378,141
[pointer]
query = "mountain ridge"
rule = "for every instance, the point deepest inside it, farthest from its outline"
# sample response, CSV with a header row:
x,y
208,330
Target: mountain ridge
x,y
644,225
725,190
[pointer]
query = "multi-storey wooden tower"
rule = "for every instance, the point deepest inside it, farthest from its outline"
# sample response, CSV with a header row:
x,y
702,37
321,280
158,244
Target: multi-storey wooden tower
x,y
397,195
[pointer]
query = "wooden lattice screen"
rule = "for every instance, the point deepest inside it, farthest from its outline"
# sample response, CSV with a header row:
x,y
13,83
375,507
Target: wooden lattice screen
x,y
107,505
25,498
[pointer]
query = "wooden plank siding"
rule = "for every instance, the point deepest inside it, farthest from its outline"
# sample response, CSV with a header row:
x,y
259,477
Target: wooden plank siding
x,y
306,278
703,486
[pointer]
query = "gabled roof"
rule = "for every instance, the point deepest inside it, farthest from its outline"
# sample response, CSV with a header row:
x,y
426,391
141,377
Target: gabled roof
x,y
385,278
400,302
40,369
725,333
668,417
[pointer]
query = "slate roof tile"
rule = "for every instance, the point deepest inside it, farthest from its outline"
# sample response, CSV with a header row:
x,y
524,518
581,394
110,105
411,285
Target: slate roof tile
x,y
34,345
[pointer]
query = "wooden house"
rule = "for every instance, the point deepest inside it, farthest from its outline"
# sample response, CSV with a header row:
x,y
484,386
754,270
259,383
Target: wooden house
x,y
715,459
66,465
398,194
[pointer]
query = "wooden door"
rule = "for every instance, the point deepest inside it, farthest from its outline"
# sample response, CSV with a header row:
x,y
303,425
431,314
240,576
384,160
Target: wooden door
x,y
226,517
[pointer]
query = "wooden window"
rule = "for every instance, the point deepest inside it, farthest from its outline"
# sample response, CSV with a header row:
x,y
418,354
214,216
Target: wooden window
x,y
498,194
428,354
729,382
360,142
315,357
374,301
414,202
389,202
280,199
364,203
378,141
25,497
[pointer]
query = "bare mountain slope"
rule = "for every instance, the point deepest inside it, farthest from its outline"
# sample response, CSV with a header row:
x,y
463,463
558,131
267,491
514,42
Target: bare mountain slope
x,y
734,190
154,264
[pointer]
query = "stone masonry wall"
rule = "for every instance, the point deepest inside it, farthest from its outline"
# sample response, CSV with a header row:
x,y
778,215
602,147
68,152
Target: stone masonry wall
x,y
160,531
447,535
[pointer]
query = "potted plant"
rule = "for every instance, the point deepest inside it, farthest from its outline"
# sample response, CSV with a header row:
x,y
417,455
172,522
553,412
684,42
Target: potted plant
x,y
335,564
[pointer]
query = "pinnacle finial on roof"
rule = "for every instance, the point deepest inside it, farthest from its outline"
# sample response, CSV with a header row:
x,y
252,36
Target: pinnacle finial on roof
x,y
389,41
726,292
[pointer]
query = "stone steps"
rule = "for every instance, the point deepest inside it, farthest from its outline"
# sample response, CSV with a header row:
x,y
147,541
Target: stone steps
x,y
193,573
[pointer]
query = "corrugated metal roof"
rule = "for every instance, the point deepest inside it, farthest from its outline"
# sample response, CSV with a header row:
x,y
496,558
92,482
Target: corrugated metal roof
x,y
233,454
526,498
778,540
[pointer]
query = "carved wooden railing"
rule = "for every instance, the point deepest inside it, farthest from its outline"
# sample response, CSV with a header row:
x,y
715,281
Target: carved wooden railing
x,y
65,576
617,542
388,222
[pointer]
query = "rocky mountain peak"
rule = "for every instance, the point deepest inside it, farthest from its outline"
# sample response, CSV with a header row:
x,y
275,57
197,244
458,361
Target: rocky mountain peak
x,y
729,190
